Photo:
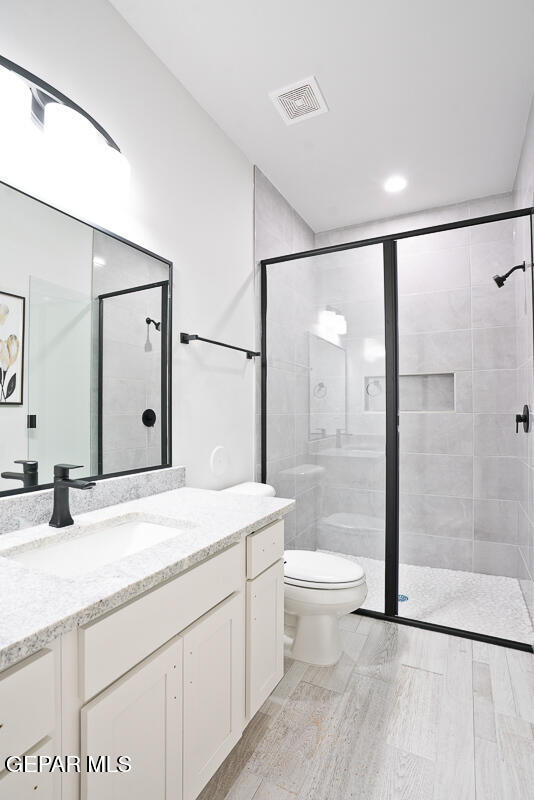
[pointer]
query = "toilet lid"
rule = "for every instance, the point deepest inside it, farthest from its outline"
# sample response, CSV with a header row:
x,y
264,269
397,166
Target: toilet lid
x,y
321,570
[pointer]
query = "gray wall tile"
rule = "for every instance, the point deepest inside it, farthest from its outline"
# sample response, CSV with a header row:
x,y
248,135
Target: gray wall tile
x,y
489,259
494,348
435,352
367,472
495,391
429,551
463,391
495,435
490,307
436,474
357,542
436,433
436,516
496,520
495,558
499,478
436,311
432,271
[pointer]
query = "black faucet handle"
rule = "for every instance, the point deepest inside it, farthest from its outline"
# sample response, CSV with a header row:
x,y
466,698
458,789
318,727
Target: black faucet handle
x,y
62,470
27,464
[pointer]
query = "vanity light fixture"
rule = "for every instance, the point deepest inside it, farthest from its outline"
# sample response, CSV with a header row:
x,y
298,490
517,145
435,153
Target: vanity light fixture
x,y
42,94
52,148
395,183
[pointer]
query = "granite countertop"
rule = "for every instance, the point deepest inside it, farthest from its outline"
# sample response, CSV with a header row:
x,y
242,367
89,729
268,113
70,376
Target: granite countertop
x,y
36,607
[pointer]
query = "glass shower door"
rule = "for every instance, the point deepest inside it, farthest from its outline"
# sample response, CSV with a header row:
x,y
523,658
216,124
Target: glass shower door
x,y
325,411
465,364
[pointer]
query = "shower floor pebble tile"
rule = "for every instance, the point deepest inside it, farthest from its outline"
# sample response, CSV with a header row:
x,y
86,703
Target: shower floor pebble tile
x,y
488,604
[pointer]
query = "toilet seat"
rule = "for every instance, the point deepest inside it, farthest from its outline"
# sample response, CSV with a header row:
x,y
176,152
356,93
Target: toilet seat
x,y
314,570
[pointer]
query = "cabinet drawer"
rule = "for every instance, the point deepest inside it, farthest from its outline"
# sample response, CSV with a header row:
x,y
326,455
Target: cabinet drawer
x,y
27,704
264,548
121,639
32,785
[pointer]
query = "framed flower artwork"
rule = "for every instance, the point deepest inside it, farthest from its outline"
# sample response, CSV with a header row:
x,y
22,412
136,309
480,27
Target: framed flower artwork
x,y
11,348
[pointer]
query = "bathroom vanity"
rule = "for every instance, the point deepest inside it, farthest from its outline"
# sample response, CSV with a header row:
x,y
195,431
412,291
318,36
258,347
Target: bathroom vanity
x,y
161,655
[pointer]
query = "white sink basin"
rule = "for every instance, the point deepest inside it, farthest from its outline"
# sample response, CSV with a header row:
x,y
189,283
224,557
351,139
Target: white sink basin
x,y
87,552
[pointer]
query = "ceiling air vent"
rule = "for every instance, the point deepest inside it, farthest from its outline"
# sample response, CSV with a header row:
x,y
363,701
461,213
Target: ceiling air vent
x,y
299,101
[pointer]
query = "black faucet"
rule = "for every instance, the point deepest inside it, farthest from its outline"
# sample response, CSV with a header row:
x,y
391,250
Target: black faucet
x,y
28,476
61,516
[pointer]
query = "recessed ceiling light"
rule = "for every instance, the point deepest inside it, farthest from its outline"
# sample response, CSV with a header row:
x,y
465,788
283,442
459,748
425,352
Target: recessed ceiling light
x,y
395,183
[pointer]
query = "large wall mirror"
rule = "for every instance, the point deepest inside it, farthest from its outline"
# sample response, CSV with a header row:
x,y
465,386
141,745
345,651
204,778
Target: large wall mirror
x,y
85,339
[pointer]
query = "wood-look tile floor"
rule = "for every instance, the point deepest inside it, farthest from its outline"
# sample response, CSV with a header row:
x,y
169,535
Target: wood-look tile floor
x,y
406,714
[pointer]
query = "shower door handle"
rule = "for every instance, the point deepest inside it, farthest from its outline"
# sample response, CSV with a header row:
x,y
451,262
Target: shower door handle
x,y
523,418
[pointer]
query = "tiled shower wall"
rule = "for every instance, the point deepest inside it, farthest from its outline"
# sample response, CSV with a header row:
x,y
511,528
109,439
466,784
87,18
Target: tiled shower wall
x,y
278,230
460,470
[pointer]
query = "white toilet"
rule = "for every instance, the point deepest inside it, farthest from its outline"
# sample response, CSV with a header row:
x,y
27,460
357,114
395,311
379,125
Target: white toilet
x,y
319,588
251,487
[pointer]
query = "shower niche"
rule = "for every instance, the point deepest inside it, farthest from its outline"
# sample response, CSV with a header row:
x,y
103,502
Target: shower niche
x,y
425,392
96,346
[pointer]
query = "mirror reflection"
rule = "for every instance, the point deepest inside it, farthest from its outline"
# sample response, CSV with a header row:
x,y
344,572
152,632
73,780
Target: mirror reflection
x,y
327,388
84,346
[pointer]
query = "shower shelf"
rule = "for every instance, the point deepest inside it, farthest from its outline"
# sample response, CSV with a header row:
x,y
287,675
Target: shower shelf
x,y
185,338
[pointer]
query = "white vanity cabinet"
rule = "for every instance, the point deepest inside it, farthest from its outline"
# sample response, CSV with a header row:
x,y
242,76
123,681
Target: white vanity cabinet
x,y
265,614
213,692
29,724
139,716
29,785
169,680
265,634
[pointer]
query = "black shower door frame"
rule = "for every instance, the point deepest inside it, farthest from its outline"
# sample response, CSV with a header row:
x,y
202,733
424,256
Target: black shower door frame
x,y
165,369
391,341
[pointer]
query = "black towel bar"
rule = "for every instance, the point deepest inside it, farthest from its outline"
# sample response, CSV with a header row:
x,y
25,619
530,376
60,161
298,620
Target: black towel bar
x,y
185,338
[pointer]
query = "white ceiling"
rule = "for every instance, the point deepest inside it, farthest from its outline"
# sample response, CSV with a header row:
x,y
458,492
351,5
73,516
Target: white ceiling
x,y
438,90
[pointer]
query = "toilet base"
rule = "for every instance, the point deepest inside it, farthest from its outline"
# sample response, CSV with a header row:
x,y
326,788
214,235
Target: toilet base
x,y
317,640
316,614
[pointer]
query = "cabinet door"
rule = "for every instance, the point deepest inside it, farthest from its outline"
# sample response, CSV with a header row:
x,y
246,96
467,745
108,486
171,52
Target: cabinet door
x,y
32,785
214,701
139,716
265,635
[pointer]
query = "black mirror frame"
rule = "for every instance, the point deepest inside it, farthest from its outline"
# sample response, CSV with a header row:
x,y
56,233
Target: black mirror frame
x,y
167,400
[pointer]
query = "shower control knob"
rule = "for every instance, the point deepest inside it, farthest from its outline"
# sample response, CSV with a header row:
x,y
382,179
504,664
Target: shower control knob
x,y
523,419
148,417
